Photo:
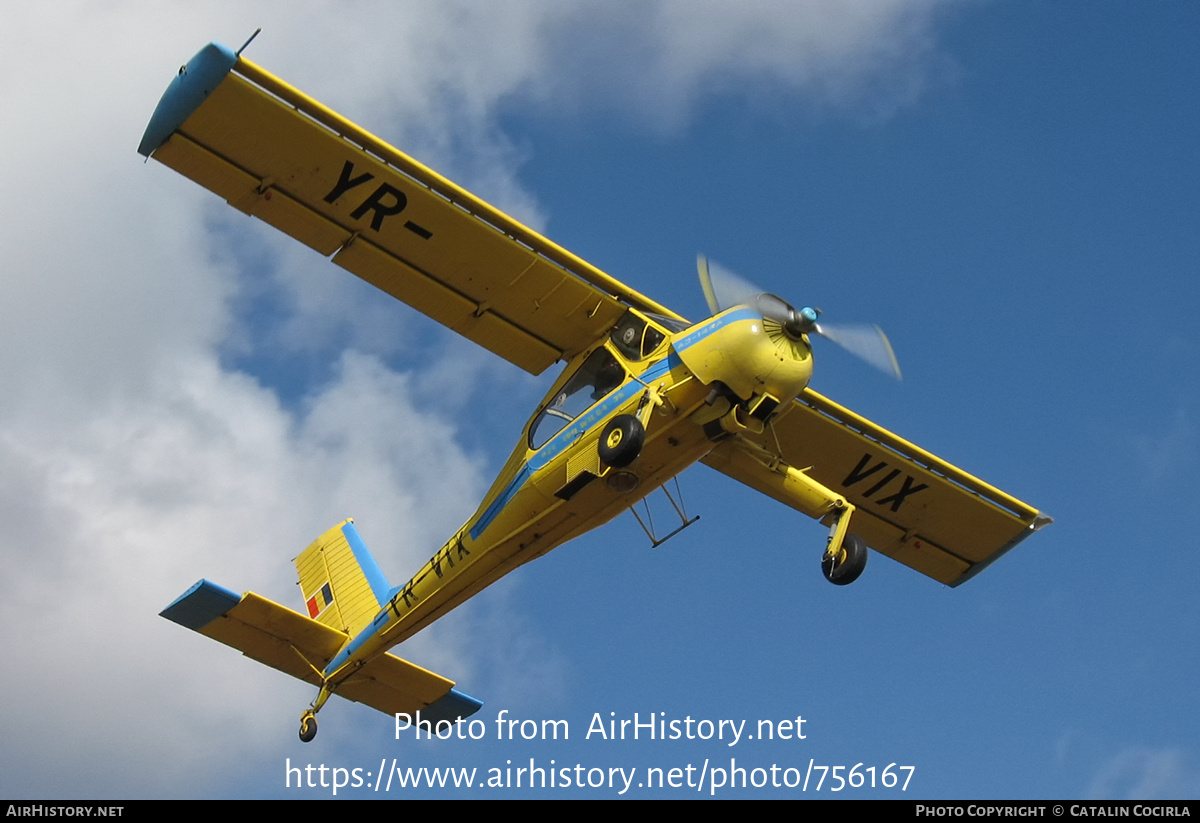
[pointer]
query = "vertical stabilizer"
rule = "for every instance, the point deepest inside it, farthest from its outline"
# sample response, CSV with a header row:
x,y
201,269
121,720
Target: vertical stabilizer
x,y
342,584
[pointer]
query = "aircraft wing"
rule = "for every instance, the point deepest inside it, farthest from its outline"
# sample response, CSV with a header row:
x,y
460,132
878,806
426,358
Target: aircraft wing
x,y
910,505
275,153
300,646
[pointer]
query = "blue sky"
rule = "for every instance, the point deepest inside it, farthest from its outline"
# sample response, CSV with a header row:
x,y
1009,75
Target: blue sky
x,y
1010,189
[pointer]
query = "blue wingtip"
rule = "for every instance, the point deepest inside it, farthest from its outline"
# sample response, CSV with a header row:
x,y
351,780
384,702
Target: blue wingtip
x,y
191,87
453,706
200,605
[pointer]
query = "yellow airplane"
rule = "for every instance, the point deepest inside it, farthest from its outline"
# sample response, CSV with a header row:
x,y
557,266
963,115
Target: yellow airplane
x,y
644,395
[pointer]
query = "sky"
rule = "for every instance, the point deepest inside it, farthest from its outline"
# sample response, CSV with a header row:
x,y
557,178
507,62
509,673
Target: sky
x,y
1010,189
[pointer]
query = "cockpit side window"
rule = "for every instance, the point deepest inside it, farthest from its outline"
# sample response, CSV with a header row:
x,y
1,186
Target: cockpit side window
x,y
651,340
634,337
599,375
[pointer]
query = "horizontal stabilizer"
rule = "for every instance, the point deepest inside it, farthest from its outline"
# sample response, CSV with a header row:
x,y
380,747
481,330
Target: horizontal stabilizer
x,y
302,647
395,686
258,628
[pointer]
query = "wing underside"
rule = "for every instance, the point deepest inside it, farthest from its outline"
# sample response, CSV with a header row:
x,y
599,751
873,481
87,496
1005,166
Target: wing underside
x,y
910,505
275,153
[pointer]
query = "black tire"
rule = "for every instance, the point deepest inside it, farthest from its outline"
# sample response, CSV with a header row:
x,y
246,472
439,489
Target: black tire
x,y
851,566
308,728
621,441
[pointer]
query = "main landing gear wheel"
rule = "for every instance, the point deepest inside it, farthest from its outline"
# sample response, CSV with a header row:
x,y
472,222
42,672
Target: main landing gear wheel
x,y
845,567
621,441
308,727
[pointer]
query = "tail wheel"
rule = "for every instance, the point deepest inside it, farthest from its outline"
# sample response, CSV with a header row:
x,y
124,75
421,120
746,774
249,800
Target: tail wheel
x,y
843,568
308,727
621,441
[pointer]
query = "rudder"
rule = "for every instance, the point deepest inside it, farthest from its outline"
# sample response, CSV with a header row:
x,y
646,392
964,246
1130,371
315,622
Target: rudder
x,y
342,585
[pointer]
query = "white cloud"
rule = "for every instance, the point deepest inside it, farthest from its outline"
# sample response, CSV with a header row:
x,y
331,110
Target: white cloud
x,y
1146,773
204,476
658,61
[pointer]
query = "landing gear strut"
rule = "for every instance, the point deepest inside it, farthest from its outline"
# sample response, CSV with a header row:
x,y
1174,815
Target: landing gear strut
x,y
308,720
845,554
308,726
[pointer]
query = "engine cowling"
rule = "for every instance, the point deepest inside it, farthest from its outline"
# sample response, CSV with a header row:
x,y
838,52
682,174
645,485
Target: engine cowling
x,y
750,354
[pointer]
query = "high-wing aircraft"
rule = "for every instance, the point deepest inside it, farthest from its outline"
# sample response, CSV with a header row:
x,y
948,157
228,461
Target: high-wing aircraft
x,y
644,394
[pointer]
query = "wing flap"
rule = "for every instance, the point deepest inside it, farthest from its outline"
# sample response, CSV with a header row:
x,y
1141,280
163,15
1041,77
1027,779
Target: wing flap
x,y
427,295
911,505
274,153
242,192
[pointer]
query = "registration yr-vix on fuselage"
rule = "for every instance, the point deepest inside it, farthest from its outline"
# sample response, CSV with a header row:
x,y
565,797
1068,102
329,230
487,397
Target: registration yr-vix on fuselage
x,y
644,395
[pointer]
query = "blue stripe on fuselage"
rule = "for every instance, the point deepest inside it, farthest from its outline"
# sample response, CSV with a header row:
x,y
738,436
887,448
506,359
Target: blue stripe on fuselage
x,y
354,645
554,446
617,398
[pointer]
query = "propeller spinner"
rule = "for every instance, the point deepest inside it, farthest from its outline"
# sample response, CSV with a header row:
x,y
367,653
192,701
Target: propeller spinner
x,y
723,289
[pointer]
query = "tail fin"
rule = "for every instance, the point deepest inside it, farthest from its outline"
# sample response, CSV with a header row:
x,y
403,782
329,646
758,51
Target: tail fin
x,y
342,584
343,588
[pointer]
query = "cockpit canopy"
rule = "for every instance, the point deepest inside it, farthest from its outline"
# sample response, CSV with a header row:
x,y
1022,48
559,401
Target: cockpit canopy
x,y
599,374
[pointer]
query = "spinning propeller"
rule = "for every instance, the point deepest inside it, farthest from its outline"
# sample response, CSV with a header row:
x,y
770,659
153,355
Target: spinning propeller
x,y
723,289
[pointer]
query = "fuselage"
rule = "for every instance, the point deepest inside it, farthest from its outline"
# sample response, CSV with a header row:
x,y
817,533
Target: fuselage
x,y
688,386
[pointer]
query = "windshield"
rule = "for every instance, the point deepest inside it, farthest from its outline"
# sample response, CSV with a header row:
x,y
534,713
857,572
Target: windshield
x,y
599,374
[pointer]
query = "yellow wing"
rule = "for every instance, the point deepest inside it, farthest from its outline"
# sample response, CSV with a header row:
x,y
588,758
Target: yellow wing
x,y
910,505
275,153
